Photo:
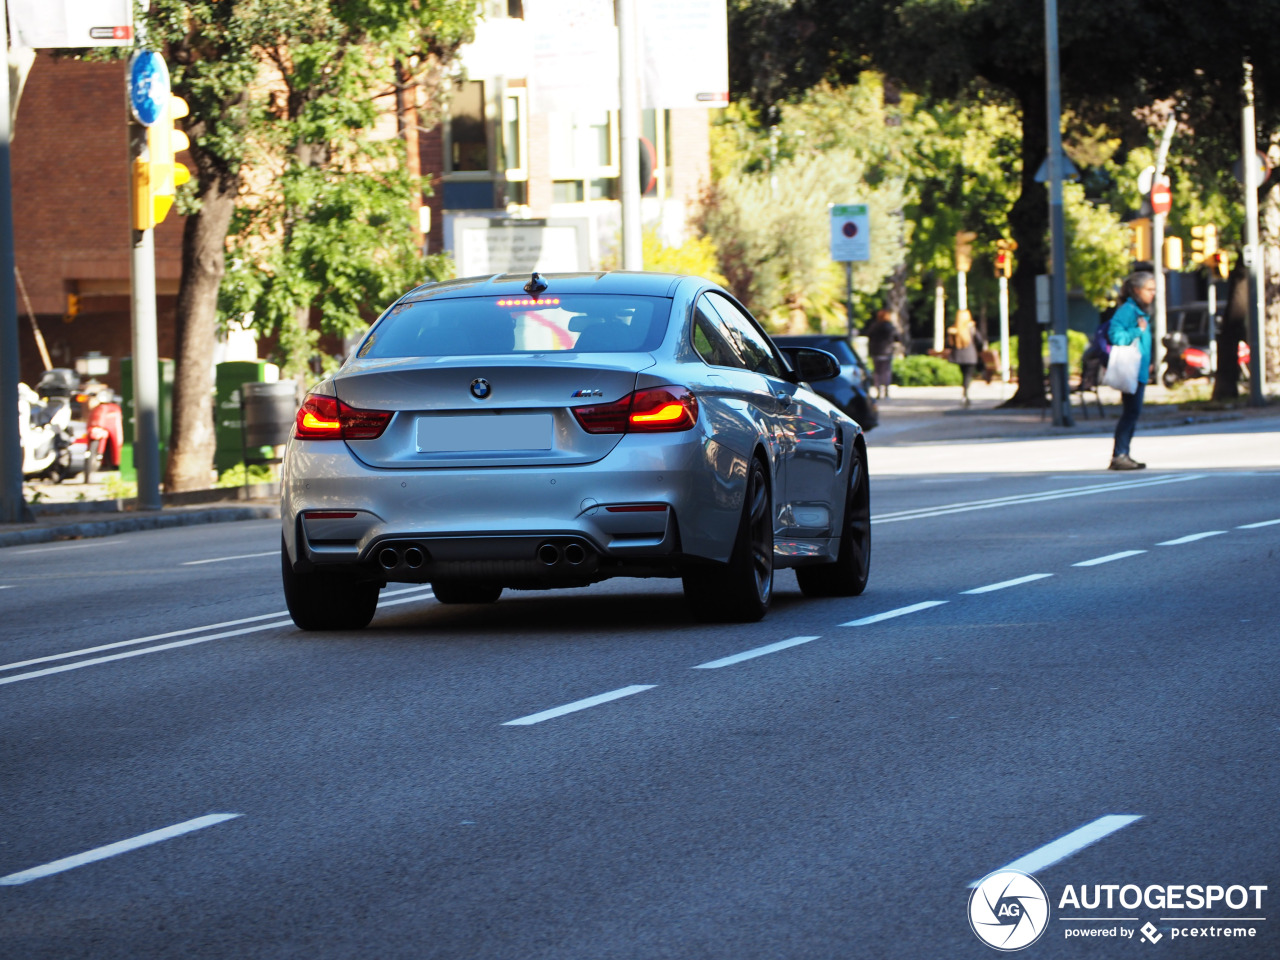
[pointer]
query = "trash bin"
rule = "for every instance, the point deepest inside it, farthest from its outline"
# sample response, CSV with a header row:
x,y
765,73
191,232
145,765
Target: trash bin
x,y
269,412
229,377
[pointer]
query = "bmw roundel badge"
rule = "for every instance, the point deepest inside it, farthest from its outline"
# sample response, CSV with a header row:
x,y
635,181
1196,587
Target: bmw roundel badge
x,y
480,388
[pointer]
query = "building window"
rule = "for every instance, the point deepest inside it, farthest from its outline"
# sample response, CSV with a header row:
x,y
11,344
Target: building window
x,y
468,132
584,156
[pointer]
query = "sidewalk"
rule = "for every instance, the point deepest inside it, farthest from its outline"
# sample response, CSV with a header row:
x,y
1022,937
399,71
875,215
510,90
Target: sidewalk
x,y
933,414
71,511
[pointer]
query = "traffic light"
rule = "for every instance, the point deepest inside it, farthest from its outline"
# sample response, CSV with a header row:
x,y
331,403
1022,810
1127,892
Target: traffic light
x,y
157,178
1204,243
964,250
1223,263
1173,253
1004,257
1141,249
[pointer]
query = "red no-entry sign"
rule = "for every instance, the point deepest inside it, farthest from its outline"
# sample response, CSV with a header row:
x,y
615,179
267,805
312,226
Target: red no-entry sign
x,y
1161,198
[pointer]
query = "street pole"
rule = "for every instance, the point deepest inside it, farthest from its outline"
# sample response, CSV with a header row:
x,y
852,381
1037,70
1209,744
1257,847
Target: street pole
x,y
146,355
629,137
1252,250
939,316
1157,253
1004,329
1057,225
13,509
848,297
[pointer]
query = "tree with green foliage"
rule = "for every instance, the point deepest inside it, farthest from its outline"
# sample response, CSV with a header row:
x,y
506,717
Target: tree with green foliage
x,y
1116,56
231,60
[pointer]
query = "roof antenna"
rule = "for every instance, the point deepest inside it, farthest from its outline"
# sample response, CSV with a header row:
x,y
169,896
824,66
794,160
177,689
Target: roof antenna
x,y
536,284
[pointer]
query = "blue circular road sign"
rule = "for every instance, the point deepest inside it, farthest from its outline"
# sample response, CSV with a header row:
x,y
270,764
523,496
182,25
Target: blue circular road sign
x,y
148,86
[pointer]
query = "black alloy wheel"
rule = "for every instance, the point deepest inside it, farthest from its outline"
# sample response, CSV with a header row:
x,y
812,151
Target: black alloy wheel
x,y
326,601
847,576
741,590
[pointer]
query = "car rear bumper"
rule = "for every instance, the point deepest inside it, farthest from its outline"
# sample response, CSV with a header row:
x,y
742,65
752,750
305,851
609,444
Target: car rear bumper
x,y
637,511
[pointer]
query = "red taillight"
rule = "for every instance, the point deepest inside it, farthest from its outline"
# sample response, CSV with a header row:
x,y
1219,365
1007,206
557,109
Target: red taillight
x,y
328,418
656,410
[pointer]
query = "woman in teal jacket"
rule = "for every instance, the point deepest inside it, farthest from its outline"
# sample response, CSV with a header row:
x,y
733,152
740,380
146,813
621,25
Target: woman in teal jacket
x,y
1129,324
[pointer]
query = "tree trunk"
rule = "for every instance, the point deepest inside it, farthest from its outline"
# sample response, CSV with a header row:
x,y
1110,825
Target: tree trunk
x,y
204,238
1029,219
1235,320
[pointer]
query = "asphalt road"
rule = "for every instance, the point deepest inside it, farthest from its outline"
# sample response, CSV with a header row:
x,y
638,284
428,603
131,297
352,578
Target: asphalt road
x,y
1038,652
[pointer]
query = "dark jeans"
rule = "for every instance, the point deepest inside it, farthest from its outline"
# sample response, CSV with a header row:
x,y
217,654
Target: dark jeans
x,y
1128,420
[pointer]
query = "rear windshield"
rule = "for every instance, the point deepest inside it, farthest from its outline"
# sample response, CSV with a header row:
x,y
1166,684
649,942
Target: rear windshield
x,y
483,326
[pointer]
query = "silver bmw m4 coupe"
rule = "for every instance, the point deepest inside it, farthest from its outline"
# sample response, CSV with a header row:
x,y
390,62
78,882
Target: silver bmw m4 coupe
x,y
544,432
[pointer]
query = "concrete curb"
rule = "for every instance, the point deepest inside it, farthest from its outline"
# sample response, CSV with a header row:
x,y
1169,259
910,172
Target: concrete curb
x,y
15,536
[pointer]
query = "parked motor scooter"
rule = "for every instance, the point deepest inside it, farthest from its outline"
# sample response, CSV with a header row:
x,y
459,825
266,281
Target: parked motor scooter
x,y
1185,362
104,429
44,430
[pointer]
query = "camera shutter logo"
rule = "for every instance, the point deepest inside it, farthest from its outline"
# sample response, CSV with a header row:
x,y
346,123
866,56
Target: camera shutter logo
x,y
1009,910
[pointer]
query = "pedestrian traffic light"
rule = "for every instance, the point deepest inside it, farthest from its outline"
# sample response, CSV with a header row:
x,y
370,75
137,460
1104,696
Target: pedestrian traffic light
x,y
157,178
1204,243
1004,257
964,250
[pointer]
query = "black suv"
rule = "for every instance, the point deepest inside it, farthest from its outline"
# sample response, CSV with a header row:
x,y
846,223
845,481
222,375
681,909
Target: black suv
x,y
850,391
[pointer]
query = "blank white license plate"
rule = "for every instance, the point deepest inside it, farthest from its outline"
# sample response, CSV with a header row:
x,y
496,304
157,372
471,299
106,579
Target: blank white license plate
x,y
519,431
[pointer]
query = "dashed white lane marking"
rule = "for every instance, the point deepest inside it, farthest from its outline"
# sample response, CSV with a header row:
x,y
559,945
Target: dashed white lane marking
x,y
1108,558
1006,583
946,509
752,654
242,556
49,671
6,586
115,849
1255,526
1191,538
1064,847
578,705
890,614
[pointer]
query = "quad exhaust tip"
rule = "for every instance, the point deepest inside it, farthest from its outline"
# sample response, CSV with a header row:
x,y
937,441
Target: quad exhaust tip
x,y
549,554
414,558
389,558
575,554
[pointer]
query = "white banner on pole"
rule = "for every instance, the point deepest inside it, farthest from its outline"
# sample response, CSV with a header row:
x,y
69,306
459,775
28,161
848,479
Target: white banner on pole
x,y
850,232
575,55
47,24
685,53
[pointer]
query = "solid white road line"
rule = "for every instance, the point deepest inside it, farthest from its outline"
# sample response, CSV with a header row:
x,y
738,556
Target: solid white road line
x,y
1064,847
923,512
48,671
1006,583
242,556
63,546
578,705
752,654
1108,558
420,591
890,614
1255,526
115,849
1191,538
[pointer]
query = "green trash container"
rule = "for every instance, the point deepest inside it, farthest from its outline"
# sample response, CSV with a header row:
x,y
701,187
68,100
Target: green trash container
x,y
229,378
128,472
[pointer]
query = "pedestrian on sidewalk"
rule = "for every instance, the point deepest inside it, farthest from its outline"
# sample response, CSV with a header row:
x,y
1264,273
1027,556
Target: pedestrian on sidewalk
x,y
1129,324
882,339
967,344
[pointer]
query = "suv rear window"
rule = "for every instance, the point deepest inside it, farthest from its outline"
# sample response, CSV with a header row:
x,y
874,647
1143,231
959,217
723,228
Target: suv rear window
x,y
483,326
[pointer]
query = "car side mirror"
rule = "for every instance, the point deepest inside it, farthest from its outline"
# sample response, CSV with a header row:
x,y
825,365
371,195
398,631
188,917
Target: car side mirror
x,y
810,364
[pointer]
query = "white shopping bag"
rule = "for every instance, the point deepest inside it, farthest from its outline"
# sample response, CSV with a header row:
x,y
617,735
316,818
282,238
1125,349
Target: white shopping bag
x,y
1122,368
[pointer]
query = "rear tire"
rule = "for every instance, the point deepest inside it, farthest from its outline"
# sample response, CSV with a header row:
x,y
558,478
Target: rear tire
x,y
454,591
741,590
326,601
847,576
